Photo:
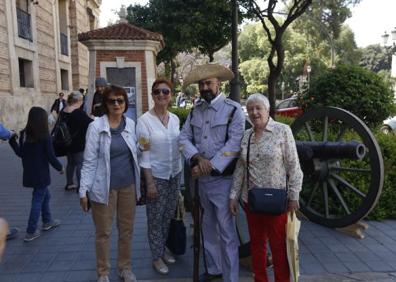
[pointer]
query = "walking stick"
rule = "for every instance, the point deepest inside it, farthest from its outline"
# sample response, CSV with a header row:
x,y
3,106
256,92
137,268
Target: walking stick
x,y
197,228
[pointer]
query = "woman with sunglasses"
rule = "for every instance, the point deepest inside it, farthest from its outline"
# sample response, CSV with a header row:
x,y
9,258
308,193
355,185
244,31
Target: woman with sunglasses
x,y
110,174
161,166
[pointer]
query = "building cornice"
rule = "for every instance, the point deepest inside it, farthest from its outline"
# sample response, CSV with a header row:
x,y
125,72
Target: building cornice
x,y
114,44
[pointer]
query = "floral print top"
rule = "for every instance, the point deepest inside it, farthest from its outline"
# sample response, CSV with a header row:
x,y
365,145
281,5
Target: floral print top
x,y
273,162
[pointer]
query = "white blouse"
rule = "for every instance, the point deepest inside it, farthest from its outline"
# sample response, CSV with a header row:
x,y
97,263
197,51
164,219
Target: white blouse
x,y
164,156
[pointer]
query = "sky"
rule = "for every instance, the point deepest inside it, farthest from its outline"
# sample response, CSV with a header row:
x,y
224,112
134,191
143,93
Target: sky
x,y
370,19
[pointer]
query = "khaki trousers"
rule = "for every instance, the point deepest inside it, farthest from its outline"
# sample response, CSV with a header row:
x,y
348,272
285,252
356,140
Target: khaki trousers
x,y
123,203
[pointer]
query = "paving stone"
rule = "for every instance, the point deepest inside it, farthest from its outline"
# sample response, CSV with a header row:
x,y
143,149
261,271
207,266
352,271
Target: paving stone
x,y
357,266
53,277
335,267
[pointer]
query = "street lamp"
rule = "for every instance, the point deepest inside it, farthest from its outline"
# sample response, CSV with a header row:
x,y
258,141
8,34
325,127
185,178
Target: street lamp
x,y
309,75
392,48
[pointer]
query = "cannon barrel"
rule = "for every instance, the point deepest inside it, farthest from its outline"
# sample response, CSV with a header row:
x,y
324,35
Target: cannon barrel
x,y
308,150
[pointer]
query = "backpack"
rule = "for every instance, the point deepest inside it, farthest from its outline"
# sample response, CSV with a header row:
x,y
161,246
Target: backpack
x,y
61,137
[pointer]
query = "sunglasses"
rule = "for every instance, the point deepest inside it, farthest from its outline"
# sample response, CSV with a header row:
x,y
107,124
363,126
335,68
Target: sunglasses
x,y
118,101
158,91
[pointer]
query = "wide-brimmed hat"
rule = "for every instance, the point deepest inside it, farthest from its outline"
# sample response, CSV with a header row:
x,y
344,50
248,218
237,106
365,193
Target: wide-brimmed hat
x,y
208,71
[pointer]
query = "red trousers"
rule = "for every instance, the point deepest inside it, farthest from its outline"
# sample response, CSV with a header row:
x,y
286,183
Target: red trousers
x,y
264,227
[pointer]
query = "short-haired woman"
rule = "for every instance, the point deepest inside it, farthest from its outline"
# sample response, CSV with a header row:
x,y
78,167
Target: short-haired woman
x,y
273,163
77,122
110,175
162,168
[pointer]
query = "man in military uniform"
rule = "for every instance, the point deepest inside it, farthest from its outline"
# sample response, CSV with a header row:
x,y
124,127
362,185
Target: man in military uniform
x,y
211,139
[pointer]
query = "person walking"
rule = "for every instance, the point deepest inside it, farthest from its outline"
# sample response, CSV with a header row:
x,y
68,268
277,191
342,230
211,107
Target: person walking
x,y
97,102
109,176
162,169
36,151
211,139
273,163
58,104
77,122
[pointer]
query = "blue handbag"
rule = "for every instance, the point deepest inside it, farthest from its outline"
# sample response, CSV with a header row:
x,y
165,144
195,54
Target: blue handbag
x,y
265,200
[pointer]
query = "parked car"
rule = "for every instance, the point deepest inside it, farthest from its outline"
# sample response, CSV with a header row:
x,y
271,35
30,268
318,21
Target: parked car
x,y
389,126
288,108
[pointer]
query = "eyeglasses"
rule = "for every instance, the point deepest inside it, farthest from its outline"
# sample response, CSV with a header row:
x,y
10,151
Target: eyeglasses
x,y
118,101
158,91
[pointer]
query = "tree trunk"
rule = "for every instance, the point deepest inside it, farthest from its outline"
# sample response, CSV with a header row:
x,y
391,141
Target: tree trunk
x,y
272,93
211,58
173,71
275,71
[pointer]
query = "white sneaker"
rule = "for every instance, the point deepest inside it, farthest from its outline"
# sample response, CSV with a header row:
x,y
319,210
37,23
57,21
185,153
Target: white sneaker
x,y
127,275
103,278
168,257
160,266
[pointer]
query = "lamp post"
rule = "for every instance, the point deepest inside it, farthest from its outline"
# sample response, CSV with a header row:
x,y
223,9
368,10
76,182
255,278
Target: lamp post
x,y
392,48
309,75
235,90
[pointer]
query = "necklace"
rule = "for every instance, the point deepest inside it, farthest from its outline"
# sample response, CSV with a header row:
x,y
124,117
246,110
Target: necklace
x,y
162,119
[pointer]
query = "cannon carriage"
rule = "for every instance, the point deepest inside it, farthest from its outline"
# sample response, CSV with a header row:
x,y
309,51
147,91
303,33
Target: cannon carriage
x,y
343,170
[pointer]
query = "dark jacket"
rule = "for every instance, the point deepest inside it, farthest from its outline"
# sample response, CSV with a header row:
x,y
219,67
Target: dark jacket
x,y
55,105
77,122
36,158
97,104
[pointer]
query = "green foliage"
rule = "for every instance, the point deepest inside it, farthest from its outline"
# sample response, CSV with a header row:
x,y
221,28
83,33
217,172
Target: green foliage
x,y
355,89
376,58
185,24
182,113
385,209
255,72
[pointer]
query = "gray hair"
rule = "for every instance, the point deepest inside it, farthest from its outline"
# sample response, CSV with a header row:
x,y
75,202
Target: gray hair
x,y
74,97
259,98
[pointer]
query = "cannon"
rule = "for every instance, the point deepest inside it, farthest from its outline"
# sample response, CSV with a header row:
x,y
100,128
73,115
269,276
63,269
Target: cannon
x,y
343,169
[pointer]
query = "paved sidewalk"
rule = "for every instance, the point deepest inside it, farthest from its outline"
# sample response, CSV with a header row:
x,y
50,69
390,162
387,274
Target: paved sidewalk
x,y
67,253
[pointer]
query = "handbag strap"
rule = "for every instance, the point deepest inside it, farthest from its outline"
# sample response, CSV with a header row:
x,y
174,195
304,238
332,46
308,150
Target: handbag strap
x,y
248,163
248,159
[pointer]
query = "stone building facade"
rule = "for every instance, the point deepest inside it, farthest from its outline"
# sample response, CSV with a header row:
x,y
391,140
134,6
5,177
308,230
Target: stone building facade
x,y
40,55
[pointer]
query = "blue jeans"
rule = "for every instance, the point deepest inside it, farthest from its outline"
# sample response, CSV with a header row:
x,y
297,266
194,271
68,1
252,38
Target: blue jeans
x,y
40,204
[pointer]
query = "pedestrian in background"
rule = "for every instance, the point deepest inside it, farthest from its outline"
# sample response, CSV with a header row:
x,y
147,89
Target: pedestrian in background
x,y
162,169
110,175
77,122
58,104
36,151
273,163
97,102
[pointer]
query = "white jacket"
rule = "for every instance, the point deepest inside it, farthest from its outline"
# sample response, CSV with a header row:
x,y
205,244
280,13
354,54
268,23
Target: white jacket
x,y
95,173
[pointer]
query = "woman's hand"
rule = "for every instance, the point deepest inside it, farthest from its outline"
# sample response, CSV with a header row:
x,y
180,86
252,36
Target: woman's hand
x,y
234,207
293,206
152,192
84,204
145,147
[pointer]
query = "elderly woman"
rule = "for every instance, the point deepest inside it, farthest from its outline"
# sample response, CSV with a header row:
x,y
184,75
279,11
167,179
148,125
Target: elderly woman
x,y
162,168
77,122
273,163
110,174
